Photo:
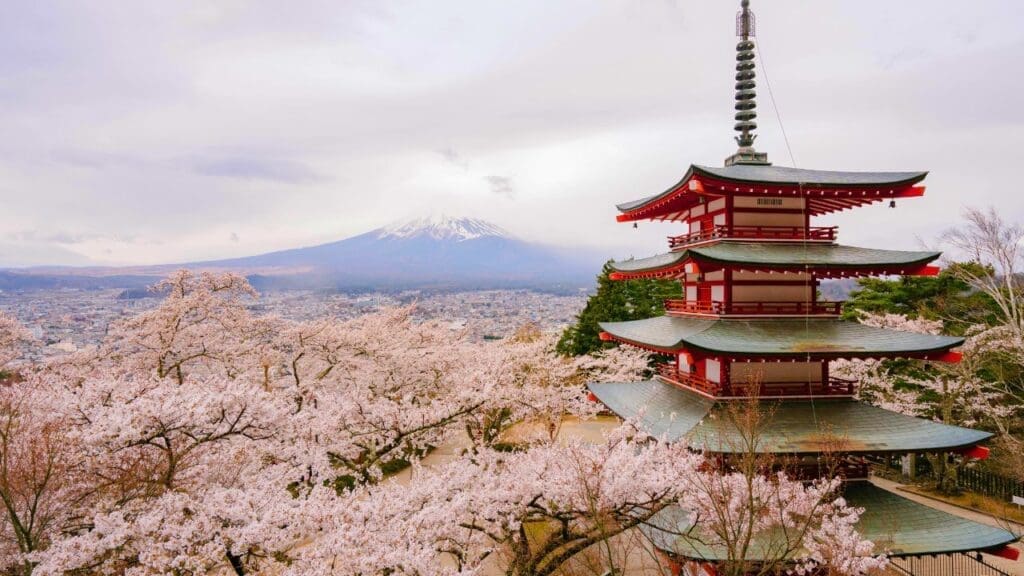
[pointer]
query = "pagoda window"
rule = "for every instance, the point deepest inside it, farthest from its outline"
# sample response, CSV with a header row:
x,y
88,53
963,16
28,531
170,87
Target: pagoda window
x,y
718,293
713,370
683,365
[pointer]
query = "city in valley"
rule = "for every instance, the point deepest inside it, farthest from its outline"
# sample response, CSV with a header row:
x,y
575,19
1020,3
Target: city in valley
x,y
66,320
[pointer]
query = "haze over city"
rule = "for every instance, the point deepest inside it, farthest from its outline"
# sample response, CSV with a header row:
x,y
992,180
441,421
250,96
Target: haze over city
x,y
141,133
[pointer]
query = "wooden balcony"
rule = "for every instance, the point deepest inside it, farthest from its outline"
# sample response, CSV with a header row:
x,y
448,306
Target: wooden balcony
x,y
823,308
832,387
669,372
815,233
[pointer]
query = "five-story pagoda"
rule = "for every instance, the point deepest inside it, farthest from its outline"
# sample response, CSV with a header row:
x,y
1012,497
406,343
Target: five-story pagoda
x,y
750,324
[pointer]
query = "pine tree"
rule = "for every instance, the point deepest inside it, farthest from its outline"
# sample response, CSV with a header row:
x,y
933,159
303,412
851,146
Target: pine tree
x,y
615,301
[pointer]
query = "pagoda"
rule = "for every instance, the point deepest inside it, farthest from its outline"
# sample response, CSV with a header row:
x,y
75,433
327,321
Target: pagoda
x,y
750,324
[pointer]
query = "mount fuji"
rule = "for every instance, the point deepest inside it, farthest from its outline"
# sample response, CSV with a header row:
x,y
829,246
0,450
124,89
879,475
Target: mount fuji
x,y
435,252
439,252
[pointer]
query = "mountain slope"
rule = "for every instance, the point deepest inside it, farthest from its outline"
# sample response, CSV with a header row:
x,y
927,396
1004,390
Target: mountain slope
x,y
441,252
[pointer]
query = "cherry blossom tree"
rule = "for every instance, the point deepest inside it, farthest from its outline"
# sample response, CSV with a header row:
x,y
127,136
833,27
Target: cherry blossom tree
x,y
40,476
197,407
39,463
996,246
763,514
200,438
524,513
12,337
532,512
764,524
952,393
202,323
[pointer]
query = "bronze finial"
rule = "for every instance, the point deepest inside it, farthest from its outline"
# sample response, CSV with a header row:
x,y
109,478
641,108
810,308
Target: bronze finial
x,y
746,94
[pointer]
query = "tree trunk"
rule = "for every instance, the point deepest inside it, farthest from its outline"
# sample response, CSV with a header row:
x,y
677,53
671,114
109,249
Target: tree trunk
x,y
236,564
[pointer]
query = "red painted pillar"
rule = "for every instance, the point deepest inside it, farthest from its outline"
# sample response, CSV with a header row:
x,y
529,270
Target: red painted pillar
x,y
727,288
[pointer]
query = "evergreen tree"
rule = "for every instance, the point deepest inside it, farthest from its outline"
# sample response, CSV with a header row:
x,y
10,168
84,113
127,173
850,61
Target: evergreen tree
x,y
615,301
944,297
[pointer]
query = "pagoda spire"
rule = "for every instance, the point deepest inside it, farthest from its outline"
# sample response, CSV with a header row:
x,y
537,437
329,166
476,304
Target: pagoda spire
x,y
746,95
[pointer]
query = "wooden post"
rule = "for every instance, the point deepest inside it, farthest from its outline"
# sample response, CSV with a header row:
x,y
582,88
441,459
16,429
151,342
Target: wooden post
x,y
908,464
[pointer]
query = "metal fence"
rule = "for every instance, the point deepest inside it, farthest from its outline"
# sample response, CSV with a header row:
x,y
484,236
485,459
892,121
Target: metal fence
x,y
974,479
949,565
990,484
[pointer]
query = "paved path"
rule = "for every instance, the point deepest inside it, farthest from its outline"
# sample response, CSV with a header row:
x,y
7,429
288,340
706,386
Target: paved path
x,y
1010,567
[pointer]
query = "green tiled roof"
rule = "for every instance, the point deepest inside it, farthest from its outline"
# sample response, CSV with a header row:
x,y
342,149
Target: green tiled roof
x,y
810,178
817,337
787,176
782,254
897,526
792,427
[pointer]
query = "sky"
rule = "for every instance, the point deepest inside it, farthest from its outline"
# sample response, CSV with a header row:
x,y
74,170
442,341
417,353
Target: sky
x,y
175,131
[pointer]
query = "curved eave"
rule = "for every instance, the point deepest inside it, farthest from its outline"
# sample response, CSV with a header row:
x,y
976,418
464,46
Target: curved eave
x,y
825,260
770,175
899,527
795,427
825,191
778,338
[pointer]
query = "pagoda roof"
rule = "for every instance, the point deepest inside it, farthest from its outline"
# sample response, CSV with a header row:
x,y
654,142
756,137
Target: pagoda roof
x,y
827,191
777,337
792,426
781,256
898,526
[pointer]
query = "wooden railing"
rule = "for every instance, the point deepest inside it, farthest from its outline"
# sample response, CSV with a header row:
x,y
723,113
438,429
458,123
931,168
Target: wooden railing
x,y
669,372
755,232
824,308
832,386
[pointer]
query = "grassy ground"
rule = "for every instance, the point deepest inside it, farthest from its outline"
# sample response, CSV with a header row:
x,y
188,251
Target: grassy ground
x,y
972,501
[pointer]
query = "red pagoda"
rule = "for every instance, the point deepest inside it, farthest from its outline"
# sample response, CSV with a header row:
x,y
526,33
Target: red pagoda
x,y
750,324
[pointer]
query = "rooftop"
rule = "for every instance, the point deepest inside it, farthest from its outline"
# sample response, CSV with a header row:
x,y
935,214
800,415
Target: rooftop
x,y
898,527
792,426
781,255
815,338
827,191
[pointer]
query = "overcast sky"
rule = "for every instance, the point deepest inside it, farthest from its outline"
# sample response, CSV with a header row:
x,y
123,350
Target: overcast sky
x,y
149,132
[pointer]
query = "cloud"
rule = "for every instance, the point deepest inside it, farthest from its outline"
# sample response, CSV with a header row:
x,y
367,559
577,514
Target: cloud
x,y
453,157
68,238
158,130
501,185
252,168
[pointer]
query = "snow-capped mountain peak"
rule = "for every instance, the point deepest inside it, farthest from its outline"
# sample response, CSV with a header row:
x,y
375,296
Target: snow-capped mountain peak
x,y
442,227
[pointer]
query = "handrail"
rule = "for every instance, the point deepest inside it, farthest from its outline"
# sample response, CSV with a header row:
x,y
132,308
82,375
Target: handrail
x,y
755,232
833,386
669,372
823,307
